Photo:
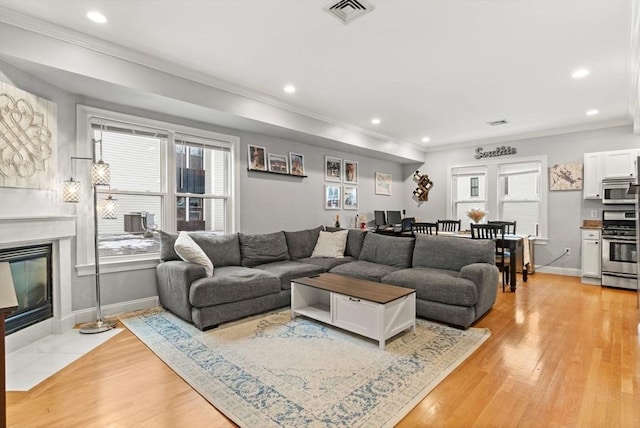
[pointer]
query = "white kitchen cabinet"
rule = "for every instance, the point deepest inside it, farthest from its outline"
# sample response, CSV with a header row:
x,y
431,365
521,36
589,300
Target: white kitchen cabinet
x,y
591,253
619,163
592,176
611,164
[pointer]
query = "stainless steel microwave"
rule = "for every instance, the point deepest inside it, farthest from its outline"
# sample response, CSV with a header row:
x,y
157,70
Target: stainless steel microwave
x,y
616,191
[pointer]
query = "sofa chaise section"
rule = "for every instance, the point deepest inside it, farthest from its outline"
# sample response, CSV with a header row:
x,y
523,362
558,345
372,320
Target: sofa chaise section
x,y
454,278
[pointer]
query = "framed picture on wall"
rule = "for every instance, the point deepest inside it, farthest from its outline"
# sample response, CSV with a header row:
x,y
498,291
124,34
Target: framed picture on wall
x,y
383,183
332,169
257,158
350,172
278,163
296,164
350,198
332,197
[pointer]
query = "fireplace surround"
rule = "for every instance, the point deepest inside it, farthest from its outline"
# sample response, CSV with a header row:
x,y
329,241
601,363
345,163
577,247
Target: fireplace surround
x,y
30,270
57,230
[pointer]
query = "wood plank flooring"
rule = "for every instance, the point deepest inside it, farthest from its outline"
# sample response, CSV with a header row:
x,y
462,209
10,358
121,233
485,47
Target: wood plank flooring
x,y
561,354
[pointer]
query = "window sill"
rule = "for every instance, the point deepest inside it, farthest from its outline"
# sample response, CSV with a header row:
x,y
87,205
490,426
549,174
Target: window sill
x,y
121,264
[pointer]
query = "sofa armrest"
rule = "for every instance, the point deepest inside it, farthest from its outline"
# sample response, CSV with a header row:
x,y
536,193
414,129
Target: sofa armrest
x,y
174,281
485,277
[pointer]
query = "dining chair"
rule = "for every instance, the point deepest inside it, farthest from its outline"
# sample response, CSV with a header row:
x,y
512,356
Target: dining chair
x,y
509,226
502,257
426,228
449,225
407,224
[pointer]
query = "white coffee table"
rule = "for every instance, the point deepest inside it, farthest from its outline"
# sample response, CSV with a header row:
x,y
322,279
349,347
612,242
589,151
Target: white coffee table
x,y
370,309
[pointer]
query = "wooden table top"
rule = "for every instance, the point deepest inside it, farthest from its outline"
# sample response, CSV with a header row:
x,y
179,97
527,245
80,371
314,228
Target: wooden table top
x,y
355,287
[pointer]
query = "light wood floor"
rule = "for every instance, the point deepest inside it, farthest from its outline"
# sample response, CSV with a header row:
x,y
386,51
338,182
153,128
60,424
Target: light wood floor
x,y
561,354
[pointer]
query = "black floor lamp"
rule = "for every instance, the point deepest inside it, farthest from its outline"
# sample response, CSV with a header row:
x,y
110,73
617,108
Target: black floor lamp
x,y
100,176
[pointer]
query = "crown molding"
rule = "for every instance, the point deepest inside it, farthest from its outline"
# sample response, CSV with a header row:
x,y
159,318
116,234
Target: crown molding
x,y
48,29
533,134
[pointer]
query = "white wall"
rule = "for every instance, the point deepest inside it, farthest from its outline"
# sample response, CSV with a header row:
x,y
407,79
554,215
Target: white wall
x,y
566,209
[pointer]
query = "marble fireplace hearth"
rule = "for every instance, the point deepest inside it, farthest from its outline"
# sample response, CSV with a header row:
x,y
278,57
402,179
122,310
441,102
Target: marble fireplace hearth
x,y
59,231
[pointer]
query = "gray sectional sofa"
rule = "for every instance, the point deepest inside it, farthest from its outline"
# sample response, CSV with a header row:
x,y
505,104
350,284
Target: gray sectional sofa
x,y
455,279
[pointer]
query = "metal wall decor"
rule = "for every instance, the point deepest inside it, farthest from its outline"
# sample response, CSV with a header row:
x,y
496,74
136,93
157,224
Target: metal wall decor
x,y
499,151
424,185
27,139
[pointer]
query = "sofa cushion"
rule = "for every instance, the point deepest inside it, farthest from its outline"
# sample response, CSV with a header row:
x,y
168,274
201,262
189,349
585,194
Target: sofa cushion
x,y
263,248
223,250
387,250
451,253
327,263
355,239
364,270
232,284
167,241
289,270
189,251
301,243
330,244
436,285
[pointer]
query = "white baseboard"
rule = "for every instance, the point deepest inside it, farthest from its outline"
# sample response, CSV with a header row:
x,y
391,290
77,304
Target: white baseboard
x,y
88,315
33,333
559,271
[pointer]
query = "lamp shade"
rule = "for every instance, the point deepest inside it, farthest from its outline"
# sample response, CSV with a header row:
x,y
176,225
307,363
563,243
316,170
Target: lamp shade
x,y
110,208
100,173
71,191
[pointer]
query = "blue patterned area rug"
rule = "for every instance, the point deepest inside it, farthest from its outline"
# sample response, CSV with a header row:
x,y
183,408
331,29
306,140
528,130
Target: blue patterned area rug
x,y
271,371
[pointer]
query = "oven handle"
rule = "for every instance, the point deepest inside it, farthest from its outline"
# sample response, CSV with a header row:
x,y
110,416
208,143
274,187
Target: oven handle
x,y
617,240
620,275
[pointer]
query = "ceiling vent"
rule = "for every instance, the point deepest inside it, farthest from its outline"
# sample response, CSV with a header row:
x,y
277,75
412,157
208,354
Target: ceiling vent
x,y
349,10
498,122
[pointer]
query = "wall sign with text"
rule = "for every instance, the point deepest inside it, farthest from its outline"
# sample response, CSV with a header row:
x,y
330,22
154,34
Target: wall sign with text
x,y
499,151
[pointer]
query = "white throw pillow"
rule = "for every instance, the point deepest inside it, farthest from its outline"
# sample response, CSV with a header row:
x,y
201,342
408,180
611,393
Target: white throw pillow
x,y
331,244
187,249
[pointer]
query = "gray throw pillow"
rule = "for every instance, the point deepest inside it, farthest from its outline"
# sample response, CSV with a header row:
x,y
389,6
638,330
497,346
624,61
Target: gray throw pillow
x,y
301,243
167,241
263,248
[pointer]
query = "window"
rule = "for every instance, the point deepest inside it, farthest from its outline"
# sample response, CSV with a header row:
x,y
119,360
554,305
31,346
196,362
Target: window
x,y
509,189
202,185
519,195
195,194
469,190
475,187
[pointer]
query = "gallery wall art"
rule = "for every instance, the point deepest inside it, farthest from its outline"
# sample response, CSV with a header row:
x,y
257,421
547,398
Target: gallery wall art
x,y
28,144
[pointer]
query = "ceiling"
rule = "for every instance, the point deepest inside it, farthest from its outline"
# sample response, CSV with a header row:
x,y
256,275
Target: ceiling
x,y
437,69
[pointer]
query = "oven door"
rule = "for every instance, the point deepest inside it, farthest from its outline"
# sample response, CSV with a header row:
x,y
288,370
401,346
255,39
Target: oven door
x,y
619,255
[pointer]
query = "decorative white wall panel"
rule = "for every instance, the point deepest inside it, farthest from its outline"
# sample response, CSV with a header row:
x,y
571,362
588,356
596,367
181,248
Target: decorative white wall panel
x,y
27,139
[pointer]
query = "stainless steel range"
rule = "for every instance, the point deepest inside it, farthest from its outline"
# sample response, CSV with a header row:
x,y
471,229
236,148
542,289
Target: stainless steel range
x,y
619,253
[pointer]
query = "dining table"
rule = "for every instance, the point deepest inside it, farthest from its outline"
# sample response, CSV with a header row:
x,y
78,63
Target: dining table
x,y
518,246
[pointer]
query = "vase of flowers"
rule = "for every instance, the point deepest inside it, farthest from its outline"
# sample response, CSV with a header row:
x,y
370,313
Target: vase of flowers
x,y
477,214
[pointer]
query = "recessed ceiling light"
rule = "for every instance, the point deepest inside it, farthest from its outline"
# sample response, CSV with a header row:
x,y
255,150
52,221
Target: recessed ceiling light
x,y
375,121
593,112
96,16
289,89
426,139
580,73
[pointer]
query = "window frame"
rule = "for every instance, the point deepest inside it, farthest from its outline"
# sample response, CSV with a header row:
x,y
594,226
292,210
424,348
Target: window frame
x,y
85,259
493,200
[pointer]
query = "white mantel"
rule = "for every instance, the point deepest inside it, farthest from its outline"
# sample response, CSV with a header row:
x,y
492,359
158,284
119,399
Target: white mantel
x,y
59,230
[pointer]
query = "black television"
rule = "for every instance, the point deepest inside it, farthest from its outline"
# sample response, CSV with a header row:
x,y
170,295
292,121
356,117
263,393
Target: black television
x,y
394,217
380,219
